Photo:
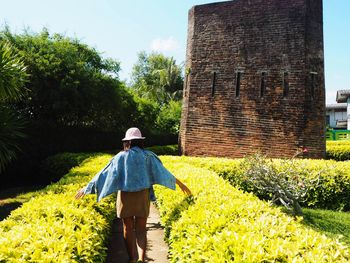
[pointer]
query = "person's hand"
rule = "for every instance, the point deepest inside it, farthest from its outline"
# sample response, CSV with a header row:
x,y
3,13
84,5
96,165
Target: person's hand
x,y
80,193
183,187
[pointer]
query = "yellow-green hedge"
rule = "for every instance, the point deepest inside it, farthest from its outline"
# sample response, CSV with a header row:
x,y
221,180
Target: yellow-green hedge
x,y
54,227
332,191
165,149
338,150
223,224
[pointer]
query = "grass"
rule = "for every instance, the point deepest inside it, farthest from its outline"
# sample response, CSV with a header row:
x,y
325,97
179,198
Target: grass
x,y
331,223
12,198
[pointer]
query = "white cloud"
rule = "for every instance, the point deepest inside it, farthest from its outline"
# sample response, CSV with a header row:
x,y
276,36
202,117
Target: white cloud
x,y
165,45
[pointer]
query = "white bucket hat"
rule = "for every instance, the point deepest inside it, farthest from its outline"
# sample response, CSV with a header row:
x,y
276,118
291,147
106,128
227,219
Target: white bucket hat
x,y
133,134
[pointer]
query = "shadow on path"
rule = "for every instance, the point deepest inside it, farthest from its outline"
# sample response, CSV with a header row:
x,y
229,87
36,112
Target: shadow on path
x,y
157,250
116,252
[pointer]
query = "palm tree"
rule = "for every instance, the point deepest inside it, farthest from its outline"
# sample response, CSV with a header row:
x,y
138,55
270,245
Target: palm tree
x,y
12,79
170,80
158,78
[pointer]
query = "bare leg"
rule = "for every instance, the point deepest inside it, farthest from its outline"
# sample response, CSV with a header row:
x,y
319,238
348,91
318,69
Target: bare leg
x,y
141,236
129,236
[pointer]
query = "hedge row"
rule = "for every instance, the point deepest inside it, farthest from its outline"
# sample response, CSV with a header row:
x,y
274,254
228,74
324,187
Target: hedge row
x,y
54,227
338,150
331,192
54,167
223,224
220,224
165,150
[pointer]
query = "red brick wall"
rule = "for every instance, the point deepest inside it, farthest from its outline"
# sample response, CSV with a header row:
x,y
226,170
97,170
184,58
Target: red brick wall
x,y
277,37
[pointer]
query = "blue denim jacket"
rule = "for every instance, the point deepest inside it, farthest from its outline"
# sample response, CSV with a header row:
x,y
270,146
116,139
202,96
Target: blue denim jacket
x,y
130,171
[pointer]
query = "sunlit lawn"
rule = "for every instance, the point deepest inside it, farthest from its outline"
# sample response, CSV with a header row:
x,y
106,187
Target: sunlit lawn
x,y
332,223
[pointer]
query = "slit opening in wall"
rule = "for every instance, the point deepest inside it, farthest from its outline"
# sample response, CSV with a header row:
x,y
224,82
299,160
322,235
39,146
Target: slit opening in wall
x,y
262,84
186,85
285,84
238,83
213,84
313,81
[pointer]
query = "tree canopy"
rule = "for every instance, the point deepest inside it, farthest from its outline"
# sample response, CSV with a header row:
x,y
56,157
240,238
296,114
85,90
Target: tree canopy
x,y
12,79
157,78
70,83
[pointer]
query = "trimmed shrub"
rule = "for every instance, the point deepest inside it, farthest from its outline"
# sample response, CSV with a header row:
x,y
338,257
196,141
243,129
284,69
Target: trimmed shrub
x,y
338,150
54,167
53,227
331,192
164,150
223,224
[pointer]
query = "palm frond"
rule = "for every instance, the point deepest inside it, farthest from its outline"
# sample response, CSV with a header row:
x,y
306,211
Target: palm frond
x,y
11,132
12,73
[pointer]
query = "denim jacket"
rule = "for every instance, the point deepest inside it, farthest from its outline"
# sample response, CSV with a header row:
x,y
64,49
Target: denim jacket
x,y
130,171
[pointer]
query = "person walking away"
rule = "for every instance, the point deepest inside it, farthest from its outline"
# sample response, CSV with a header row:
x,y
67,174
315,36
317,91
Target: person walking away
x,y
132,173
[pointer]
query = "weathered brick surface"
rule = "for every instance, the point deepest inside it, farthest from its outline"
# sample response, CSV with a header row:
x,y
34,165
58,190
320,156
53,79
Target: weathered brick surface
x,y
284,39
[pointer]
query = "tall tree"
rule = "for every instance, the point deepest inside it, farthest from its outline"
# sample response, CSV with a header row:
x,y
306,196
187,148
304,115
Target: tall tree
x,y
157,77
70,83
12,79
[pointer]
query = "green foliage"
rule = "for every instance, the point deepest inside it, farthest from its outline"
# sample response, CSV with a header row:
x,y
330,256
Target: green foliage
x,y
334,224
338,150
164,150
11,133
147,112
70,83
168,119
54,167
157,78
285,186
53,227
331,192
223,224
74,102
12,73
12,79
218,224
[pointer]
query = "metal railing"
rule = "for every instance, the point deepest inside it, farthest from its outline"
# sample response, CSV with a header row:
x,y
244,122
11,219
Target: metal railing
x,y
337,135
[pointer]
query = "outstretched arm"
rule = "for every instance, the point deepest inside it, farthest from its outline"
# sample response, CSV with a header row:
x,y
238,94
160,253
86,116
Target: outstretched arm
x,y
183,187
80,193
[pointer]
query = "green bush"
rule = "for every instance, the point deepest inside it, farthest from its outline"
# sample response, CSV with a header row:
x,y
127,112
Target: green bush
x,y
53,227
223,224
54,167
331,192
338,150
168,119
164,150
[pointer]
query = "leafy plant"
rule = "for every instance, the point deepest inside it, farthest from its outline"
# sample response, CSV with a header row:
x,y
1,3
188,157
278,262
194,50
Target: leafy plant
x,y
331,192
338,150
223,224
53,227
282,182
164,150
157,78
12,79
168,119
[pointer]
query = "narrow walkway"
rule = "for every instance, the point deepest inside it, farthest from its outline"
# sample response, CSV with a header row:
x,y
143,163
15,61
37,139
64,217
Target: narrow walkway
x,y
157,250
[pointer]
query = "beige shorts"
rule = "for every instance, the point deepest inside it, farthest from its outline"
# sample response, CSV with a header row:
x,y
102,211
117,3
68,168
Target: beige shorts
x,y
133,204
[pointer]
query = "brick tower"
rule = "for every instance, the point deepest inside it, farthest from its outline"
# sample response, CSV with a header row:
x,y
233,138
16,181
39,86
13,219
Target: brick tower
x,y
254,79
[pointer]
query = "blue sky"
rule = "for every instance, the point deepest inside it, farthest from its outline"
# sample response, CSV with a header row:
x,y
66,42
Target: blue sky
x,y
121,29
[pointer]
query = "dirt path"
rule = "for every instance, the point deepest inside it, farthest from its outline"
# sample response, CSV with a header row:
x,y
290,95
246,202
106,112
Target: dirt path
x,y
157,250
